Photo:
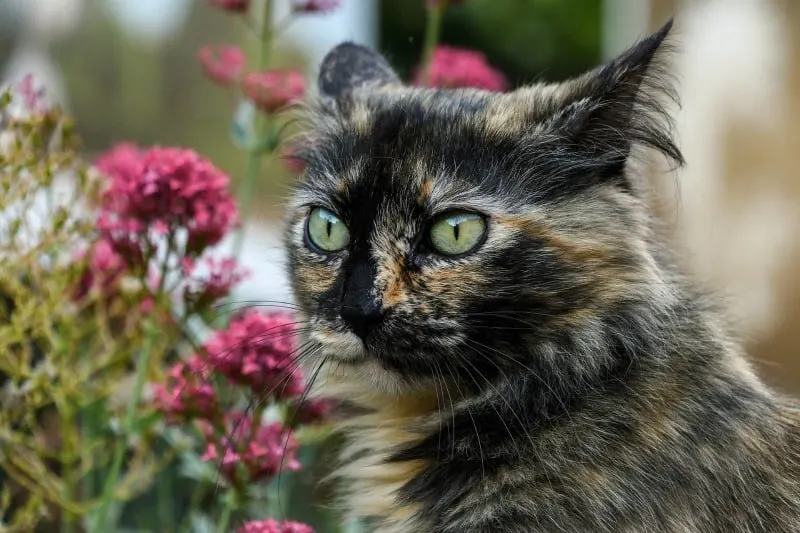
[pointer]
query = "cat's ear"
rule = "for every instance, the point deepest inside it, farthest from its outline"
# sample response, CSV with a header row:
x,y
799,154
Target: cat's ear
x,y
611,109
349,67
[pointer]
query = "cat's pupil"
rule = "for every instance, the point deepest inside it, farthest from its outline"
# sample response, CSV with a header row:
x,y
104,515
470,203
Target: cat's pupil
x,y
328,227
455,231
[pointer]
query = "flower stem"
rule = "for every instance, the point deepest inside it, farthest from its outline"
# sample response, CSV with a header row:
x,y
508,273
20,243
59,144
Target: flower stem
x,y
68,468
228,504
142,364
256,151
433,28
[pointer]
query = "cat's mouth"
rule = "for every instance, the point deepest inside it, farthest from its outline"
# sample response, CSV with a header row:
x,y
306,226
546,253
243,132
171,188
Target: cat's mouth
x,y
341,346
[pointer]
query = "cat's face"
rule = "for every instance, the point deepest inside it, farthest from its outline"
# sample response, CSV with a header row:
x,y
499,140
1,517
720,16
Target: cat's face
x,y
439,233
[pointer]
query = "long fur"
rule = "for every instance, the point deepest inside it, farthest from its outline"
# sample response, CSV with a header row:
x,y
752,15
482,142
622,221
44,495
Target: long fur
x,y
564,376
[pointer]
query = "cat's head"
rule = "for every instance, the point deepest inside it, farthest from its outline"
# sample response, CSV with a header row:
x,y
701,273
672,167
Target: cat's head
x,y
450,232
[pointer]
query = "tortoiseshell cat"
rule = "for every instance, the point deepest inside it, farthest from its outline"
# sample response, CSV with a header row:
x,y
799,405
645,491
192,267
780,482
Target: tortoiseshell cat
x,y
483,286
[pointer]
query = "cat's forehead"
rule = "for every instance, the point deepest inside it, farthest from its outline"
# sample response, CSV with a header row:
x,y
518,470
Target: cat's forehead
x,y
428,148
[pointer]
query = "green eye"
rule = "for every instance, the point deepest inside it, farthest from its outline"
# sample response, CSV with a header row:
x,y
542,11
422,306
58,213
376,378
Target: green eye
x,y
457,233
326,231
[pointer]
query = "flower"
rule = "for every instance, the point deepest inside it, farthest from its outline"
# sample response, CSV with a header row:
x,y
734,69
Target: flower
x,y
233,6
32,92
314,6
104,269
273,526
274,89
294,163
262,450
188,392
163,190
222,275
452,68
224,65
257,351
310,412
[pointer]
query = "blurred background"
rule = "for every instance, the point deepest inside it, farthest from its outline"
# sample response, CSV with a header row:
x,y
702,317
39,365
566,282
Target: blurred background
x,y
127,70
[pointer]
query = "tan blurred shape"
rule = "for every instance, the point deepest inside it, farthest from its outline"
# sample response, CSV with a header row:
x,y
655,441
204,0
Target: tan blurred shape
x,y
735,212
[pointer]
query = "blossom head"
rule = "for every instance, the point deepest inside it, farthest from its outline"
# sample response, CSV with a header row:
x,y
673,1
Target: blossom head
x,y
220,277
314,6
310,412
274,526
275,89
104,269
232,6
164,190
223,65
452,68
257,351
262,450
187,392
292,161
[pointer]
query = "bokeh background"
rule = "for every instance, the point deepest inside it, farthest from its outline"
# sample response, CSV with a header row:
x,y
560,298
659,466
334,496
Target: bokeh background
x,y
127,70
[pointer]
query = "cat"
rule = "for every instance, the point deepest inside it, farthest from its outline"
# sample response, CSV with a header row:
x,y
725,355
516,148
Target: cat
x,y
482,286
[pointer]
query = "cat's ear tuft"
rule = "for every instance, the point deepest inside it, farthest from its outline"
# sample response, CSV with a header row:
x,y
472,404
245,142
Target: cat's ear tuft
x,y
349,67
623,104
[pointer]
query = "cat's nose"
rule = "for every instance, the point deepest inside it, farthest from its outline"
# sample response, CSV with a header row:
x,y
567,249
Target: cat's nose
x,y
362,315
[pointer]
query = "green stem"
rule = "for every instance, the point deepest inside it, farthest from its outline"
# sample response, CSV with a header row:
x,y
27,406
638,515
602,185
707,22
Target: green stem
x,y
433,28
67,465
142,364
197,496
228,503
247,188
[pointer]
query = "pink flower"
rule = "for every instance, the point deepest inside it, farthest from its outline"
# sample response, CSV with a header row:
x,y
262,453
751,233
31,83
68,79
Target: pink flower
x,y
187,393
292,162
273,526
32,92
262,450
104,269
312,412
224,65
163,190
314,6
452,68
273,90
233,6
222,276
257,350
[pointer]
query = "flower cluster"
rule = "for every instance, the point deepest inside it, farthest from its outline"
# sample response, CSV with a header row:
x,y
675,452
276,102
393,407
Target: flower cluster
x,y
188,393
202,291
104,268
223,64
256,351
452,68
244,445
274,526
163,191
271,91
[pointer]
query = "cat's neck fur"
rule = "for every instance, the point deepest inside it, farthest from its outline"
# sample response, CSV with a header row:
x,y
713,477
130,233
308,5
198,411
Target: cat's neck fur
x,y
676,394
